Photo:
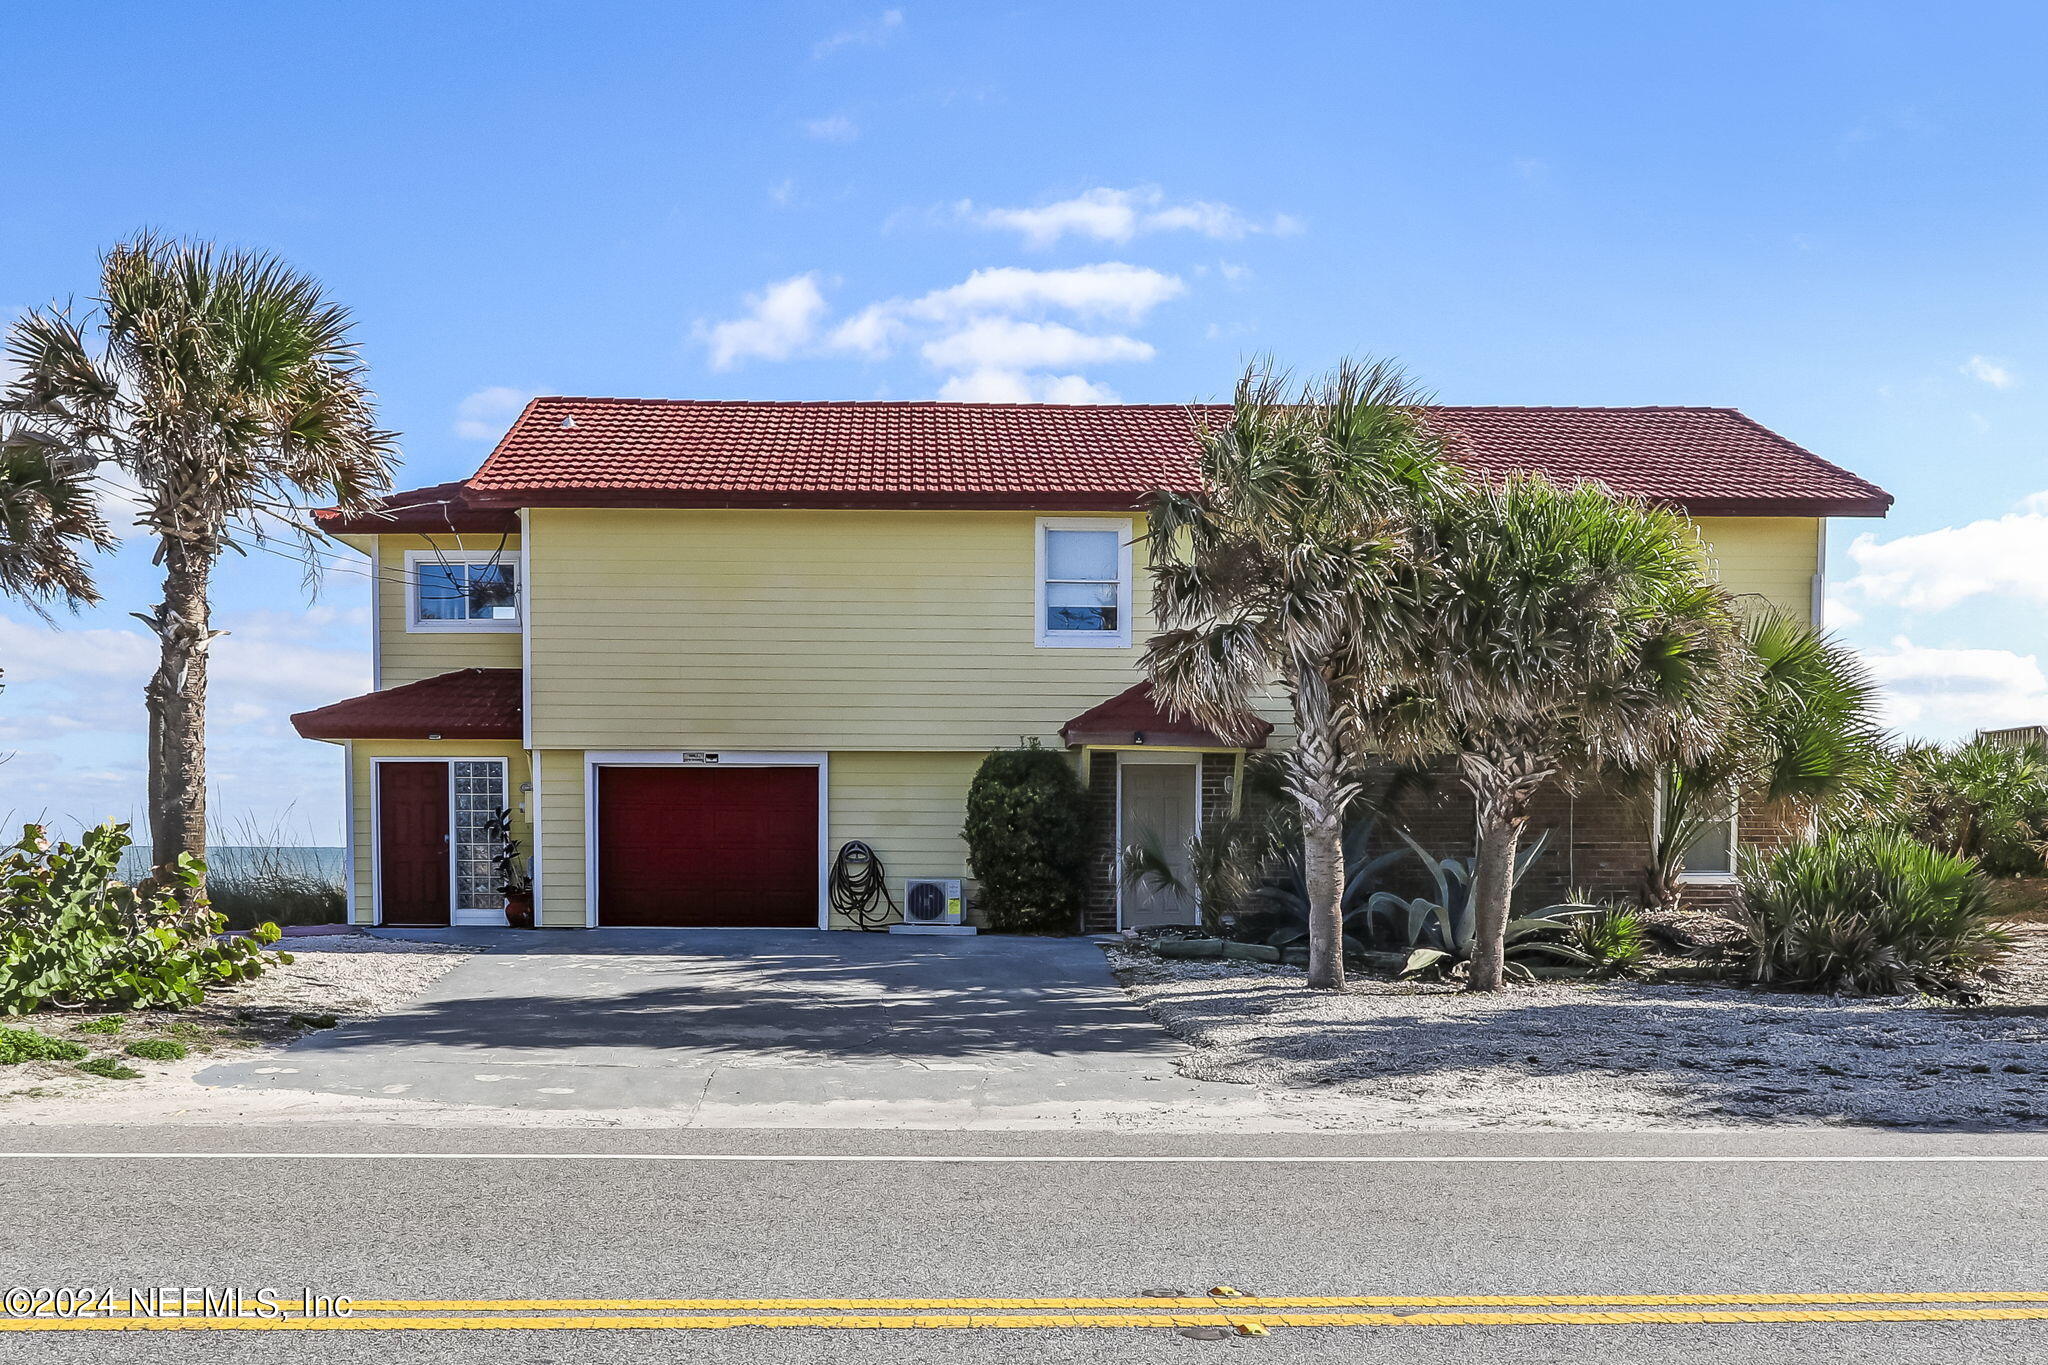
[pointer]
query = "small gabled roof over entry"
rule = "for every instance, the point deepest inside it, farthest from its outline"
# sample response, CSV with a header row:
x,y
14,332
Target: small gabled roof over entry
x,y
471,703
1136,716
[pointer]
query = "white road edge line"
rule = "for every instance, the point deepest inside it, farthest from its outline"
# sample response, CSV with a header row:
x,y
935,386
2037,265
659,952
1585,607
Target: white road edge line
x,y
997,1160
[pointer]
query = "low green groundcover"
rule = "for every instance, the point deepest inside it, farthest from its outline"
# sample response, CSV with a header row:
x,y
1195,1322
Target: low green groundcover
x,y
25,1045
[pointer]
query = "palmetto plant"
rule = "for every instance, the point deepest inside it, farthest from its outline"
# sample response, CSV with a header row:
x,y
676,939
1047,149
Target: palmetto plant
x,y
1565,631
1978,800
1802,735
1874,910
227,388
1294,568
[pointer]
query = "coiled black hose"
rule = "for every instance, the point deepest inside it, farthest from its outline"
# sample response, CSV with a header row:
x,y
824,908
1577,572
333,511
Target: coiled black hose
x,y
857,883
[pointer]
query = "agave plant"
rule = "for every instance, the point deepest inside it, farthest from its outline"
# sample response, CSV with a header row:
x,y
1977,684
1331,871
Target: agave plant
x,y
1439,934
1277,910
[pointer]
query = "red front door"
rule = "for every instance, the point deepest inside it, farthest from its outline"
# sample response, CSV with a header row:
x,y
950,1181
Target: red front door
x,y
412,842
708,846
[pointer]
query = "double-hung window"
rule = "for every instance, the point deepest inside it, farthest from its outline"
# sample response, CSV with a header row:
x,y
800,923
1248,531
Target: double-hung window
x,y
462,590
1084,582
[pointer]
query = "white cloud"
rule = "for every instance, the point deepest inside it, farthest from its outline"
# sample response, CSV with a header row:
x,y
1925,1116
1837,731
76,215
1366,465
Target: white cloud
x,y
832,128
1112,215
993,331
874,33
485,414
780,321
1996,373
1950,693
1011,344
1009,386
783,192
1934,570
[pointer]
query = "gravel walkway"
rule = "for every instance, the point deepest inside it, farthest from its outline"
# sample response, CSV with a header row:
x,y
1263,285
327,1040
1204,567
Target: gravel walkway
x,y
1612,1056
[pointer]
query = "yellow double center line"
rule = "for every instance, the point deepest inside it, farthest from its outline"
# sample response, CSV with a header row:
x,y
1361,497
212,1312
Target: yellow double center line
x,y
1244,1313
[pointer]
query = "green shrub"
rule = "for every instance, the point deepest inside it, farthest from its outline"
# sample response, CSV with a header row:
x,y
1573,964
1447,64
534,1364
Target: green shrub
x,y
106,1023
155,1049
113,1068
1616,937
25,1045
1981,800
1872,911
72,934
1027,840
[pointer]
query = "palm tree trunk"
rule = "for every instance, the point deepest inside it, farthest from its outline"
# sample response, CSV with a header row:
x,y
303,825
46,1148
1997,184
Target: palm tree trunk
x,y
1493,884
176,697
1322,866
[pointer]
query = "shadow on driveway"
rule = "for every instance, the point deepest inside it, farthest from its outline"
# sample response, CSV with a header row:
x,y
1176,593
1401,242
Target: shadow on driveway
x,y
762,1026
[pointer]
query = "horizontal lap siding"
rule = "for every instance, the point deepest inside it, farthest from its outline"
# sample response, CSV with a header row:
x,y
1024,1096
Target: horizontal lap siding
x,y
800,630
1775,558
908,807
562,903
362,786
409,656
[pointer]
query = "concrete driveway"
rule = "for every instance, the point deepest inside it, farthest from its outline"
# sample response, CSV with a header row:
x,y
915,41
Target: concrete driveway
x,y
761,1028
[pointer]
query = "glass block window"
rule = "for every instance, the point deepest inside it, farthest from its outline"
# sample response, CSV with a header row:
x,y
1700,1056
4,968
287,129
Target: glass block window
x,y
479,794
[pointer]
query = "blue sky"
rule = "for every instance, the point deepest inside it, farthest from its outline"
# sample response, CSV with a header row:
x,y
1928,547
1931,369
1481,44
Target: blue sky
x,y
1828,215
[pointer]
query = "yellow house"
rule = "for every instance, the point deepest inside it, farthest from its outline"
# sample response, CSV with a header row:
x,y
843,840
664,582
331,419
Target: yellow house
x,y
695,649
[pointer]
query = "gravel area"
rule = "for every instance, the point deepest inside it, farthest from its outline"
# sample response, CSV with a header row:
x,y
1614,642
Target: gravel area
x,y
1607,1056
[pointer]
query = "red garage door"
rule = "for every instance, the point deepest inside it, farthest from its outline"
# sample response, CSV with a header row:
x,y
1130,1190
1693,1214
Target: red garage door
x,y
707,846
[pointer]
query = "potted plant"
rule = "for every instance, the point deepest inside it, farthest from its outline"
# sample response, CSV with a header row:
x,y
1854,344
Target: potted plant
x,y
515,883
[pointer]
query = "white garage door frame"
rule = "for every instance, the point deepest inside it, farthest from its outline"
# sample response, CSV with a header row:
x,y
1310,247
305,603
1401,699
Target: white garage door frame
x,y
593,759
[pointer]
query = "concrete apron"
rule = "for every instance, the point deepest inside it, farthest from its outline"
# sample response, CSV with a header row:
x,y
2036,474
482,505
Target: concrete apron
x,y
764,1028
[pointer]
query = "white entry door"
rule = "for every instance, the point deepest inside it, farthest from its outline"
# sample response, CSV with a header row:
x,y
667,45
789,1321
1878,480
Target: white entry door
x,y
1158,805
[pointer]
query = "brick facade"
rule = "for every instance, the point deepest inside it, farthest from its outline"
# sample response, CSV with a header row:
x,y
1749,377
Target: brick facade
x,y
1099,916
1599,836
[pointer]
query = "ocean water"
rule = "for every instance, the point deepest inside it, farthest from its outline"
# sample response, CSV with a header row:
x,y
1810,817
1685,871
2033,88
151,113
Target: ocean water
x,y
324,863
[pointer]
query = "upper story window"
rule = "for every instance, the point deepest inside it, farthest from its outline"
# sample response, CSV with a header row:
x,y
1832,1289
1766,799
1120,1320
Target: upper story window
x,y
462,590
1084,582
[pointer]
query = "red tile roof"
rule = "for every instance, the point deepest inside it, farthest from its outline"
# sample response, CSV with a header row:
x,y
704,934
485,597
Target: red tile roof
x,y
675,453
441,507
1135,716
472,703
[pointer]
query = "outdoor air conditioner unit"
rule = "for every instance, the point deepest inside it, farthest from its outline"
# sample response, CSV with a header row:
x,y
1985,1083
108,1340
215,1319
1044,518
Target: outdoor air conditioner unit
x,y
932,905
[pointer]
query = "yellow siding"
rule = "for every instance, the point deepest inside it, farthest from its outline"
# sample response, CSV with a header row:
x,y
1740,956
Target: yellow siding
x,y
407,656
908,806
362,813
1775,558
799,630
562,904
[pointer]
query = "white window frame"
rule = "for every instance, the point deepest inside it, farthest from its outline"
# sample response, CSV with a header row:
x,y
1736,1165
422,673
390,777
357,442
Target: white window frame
x,y
415,624
1734,842
1120,638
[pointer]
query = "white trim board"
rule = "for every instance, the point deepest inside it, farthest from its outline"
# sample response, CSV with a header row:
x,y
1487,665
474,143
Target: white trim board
x,y
593,759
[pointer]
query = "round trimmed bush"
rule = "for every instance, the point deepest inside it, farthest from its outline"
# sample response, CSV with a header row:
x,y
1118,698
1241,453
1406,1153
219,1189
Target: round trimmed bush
x,y
1027,841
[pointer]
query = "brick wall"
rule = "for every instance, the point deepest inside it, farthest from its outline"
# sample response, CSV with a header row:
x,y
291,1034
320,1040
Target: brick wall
x,y
1100,915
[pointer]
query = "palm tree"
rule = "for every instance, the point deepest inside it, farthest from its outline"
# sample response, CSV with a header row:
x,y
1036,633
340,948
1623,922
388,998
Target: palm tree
x,y
1803,736
1295,566
227,387
1565,631
47,516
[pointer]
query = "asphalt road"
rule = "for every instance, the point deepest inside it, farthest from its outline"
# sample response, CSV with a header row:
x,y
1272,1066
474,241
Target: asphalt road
x,y
419,1216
